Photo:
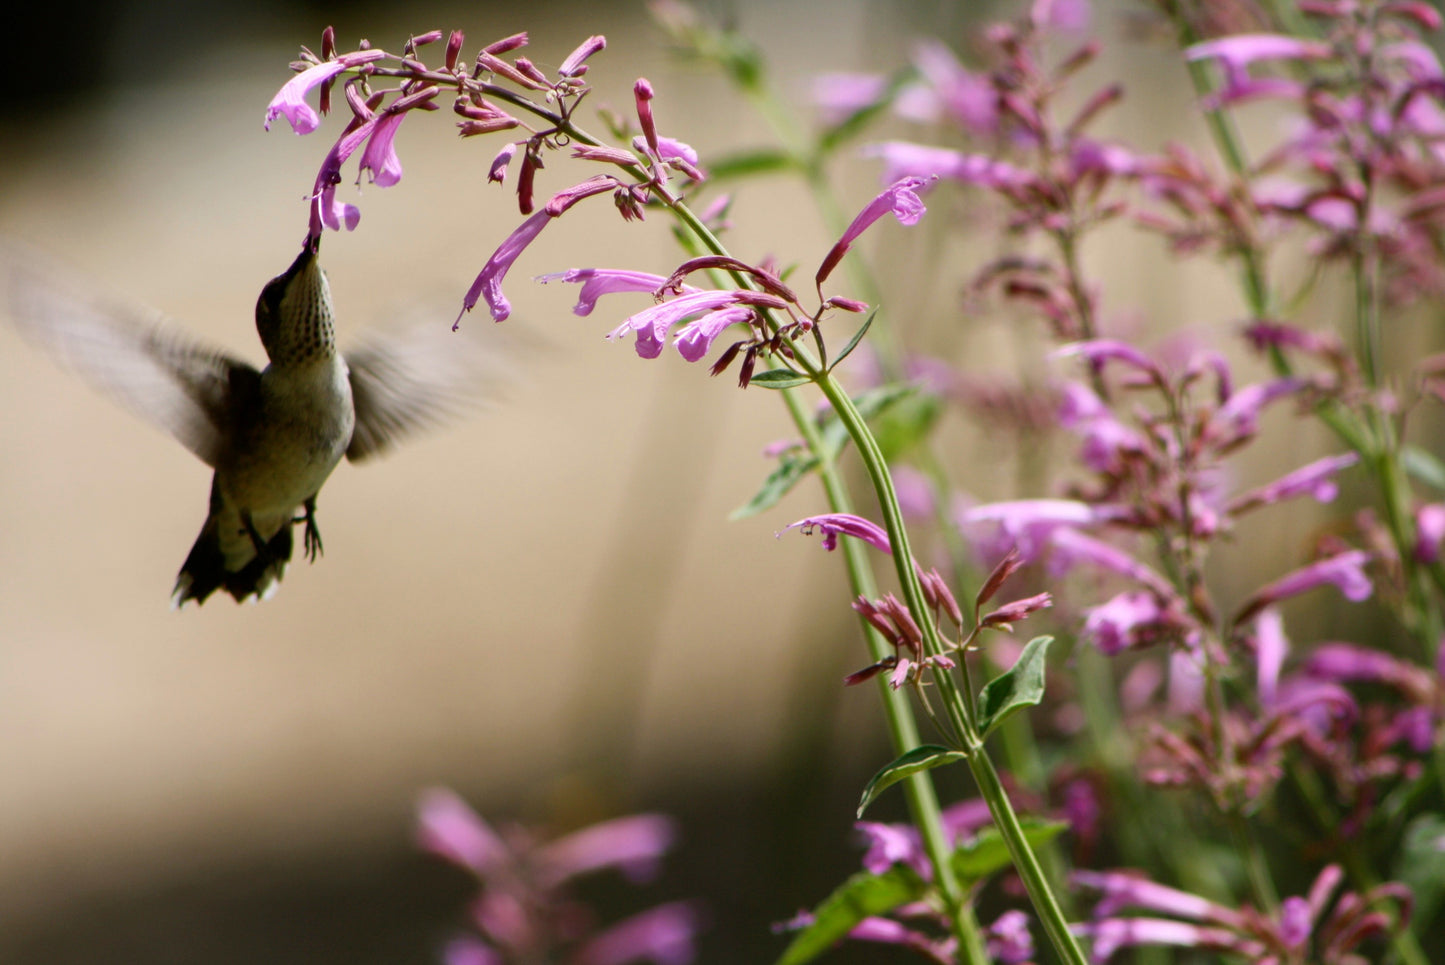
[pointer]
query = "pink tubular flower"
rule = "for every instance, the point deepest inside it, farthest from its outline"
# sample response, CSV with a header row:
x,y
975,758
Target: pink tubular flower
x,y
290,100
833,524
380,155
1314,479
904,159
574,65
489,283
1028,523
900,198
1240,50
1114,626
1429,531
663,935
597,282
448,827
1072,547
1345,570
653,324
839,96
633,844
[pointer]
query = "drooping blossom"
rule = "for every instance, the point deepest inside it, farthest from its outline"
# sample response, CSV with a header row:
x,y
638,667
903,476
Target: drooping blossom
x,y
833,525
1346,571
290,100
899,198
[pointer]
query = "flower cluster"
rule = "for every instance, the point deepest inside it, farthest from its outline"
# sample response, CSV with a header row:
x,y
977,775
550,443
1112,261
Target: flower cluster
x,y
524,912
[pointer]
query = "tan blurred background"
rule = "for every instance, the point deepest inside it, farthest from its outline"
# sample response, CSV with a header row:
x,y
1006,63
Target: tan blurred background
x,y
544,607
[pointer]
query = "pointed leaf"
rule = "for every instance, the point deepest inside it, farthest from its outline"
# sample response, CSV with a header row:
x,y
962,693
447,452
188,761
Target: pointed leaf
x,y
776,486
987,853
779,379
749,163
853,342
1022,685
1421,865
1423,466
922,758
861,896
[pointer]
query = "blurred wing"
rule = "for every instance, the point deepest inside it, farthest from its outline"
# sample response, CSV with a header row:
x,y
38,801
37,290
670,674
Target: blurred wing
x,y
417,378
129,354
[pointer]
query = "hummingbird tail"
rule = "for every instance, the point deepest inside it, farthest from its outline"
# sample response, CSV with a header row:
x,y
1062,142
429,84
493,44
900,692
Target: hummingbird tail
x,y
205,572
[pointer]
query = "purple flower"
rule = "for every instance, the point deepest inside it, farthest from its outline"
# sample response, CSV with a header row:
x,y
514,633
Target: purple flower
x,y
597,282
1100,350
469,950
1114,626
1009,939
652,324
447,826
891,844
380,155
1345,570
1314,479
1270,648
489,283
1429,531
900,198
1028,523
839,96
1120,890
1112,934
633,844
1072,547
904,159
968,97
1240,50
833,524
663,935
291,98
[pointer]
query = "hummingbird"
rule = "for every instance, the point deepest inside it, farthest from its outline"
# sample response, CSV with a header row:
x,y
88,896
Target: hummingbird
x,y
271,436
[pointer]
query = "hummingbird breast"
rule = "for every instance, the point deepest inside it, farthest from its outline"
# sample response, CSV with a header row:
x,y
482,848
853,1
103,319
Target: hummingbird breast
x,y
289,445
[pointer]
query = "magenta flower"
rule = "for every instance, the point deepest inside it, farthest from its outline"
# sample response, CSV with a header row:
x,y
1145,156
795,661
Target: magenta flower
x,y
664,935
1100,350
652,324
846,524
694,340
469,950
489,283
1072,548
1429,531
900,199
291,98
574,65
380,156
891,844
904,159
1315,479
448,827
1346,571
597,282
1121,622
633,844
839,96
1028,523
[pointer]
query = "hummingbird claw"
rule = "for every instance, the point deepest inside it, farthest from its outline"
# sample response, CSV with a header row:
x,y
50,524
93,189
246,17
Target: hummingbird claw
x,y
312,540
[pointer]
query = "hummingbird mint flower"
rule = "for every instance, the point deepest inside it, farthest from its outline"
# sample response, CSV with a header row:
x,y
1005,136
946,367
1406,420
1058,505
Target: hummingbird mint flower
x,y
290,100
900,199
1346,571
835,524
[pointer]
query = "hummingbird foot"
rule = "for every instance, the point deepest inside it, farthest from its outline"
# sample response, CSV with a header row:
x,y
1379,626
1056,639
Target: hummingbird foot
x,y
312,540
263,552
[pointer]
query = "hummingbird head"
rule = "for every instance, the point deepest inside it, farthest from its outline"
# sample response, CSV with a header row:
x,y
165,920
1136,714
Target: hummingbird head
x,y
293,314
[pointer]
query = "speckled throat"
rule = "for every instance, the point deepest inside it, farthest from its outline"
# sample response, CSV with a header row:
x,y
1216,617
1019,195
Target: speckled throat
x,y
293,314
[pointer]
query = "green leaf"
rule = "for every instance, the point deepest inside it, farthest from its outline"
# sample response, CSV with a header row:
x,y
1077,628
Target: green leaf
x,y
922,758
778,379
776,486
870,405
853,342
1421,865
906,424
1423,466
1022,685
987,853
750,163
859,897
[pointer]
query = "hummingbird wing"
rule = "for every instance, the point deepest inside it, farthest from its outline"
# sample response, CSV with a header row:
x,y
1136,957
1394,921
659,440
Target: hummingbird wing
x,y
130,354
417,378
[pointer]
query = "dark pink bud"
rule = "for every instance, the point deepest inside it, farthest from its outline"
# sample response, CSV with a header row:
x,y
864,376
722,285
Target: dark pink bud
x,y
430,37
454,48
328,43
846,304
530,69
506,44
487,61
498,171
573,66
567,197
1006,568
642,93
1005,616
